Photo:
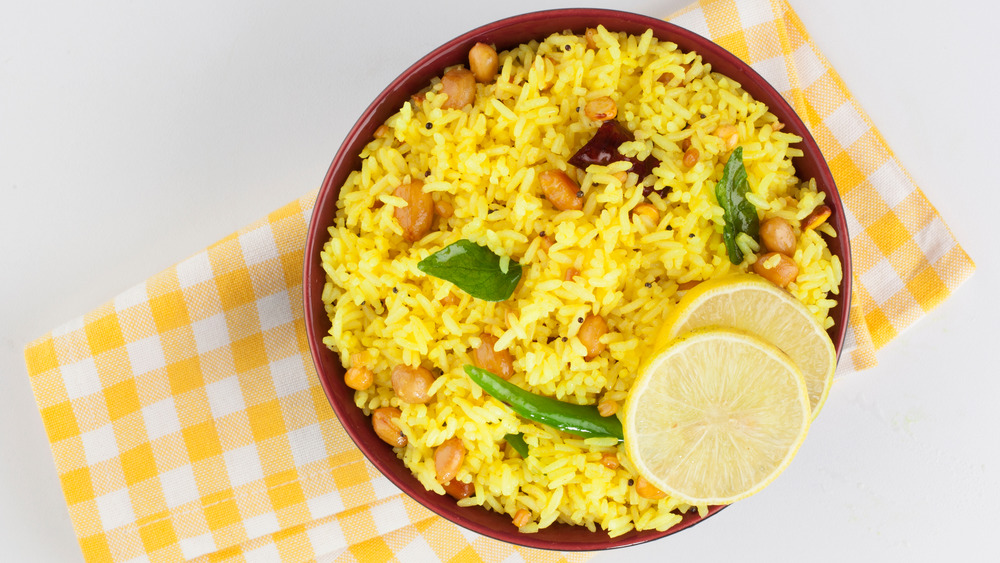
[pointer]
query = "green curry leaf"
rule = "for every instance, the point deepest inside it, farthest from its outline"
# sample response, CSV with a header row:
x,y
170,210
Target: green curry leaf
x,y
517,442
739,213
475,269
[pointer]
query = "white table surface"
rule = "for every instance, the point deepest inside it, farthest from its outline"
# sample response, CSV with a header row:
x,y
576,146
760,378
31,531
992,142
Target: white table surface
x,y
135,133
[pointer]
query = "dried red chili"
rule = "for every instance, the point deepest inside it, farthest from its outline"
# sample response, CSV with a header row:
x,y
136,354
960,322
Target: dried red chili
x,y
603,149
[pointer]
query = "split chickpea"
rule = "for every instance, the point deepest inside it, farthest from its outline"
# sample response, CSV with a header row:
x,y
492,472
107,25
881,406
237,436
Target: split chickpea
x,y
444,209
591,331
601,109
610,461
647,212
645,489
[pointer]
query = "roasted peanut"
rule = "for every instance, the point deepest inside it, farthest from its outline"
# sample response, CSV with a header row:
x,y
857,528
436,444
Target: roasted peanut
x,y
411,383
776,268
483,61
521,517
382,422
729,134
610,461
691,157
591,331
359,377
816,218
777,236
499,363
448,458
560,190
450,299
382,131
458,489
607,407
645,489
621,176
591,36
460,86
418,215
647,212
601,109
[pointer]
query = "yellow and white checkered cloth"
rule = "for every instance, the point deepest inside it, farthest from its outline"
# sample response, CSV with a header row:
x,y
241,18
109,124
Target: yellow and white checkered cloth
x,y
186,420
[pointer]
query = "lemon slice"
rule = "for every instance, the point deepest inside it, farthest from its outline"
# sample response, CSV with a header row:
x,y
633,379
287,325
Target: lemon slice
x,y
716,416
755,305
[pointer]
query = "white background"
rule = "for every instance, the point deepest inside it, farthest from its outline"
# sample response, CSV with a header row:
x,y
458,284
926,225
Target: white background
x,y
135,133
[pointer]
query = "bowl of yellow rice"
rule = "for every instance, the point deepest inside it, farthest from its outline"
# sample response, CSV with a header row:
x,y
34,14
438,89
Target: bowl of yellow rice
x,y
576,153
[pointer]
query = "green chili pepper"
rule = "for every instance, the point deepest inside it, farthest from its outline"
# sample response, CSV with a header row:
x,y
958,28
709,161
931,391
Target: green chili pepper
x,y
517,442
582,420
738,212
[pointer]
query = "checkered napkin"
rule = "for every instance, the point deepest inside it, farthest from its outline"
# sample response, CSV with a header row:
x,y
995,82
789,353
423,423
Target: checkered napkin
x,y
186,421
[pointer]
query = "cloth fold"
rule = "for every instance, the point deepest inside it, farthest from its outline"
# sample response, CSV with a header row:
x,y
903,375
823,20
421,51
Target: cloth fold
x,y
186,420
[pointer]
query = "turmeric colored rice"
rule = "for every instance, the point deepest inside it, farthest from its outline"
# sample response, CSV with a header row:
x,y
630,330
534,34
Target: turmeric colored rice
x,y
484,160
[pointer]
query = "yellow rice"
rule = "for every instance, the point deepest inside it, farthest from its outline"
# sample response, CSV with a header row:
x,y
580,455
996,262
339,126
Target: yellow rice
x,y
485,160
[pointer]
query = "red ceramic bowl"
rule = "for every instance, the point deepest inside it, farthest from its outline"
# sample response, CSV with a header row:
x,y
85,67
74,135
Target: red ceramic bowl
x,y
505,34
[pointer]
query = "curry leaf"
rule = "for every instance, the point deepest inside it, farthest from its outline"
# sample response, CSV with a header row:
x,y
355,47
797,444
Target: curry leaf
x,y
475,269
739,213
517,442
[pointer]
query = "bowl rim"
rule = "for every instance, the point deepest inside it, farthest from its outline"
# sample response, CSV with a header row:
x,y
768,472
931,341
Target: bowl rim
x,y
348,151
